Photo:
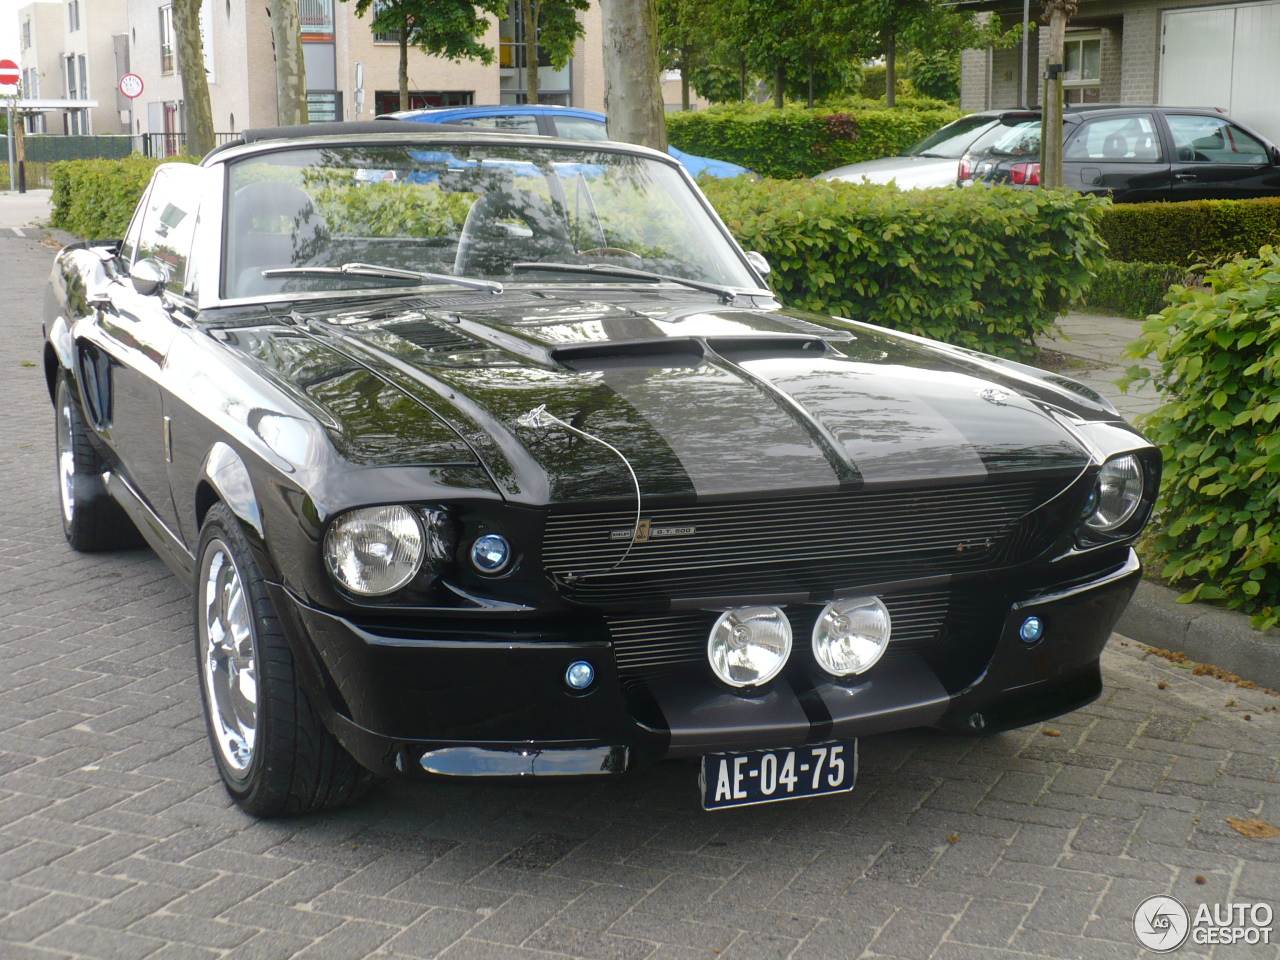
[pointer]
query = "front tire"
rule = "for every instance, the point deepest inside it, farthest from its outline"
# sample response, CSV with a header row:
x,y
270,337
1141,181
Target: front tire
x,y
274,754
91,520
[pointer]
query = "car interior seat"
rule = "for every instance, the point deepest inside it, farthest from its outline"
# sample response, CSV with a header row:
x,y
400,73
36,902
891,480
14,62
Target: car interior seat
x,y
507,226
274,225
1115,146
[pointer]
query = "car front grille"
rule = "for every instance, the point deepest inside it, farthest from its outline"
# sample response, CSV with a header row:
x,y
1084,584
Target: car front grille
x,y
800,545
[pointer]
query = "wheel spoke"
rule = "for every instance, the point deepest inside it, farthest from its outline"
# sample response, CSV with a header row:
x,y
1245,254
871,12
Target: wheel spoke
x,y
229,662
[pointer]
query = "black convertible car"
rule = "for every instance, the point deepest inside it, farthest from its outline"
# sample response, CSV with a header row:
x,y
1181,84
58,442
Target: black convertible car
x,y
494,455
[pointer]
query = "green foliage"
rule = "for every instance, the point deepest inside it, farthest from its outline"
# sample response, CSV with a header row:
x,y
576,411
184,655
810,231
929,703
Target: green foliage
x,y
1218,356
445,28
936,75
986,269
96,198
390,209
873,82
1192,231
558,28
1133,289
794,141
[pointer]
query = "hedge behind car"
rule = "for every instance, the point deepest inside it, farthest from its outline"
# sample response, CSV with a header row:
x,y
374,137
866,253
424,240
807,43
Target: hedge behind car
x,y
1218,371
96,198
1192,231
794,141
986,269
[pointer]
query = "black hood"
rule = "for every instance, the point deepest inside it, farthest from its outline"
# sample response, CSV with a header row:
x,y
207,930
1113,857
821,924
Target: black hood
x,y
706,400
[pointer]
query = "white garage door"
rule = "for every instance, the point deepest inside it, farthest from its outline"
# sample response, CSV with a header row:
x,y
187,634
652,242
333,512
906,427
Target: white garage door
x,y
1228,57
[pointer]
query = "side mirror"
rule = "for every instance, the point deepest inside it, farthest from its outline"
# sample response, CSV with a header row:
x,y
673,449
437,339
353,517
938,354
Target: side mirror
x,y
1275,156
758,261
149,277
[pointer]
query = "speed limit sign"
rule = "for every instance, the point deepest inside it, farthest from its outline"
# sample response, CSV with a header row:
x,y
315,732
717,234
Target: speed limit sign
x,y
131,85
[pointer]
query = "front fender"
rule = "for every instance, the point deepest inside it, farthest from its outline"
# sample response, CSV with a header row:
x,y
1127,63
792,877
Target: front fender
x,y
225,472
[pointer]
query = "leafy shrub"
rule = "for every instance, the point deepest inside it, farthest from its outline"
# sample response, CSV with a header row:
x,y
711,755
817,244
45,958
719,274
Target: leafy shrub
x,y
1192,231
96,198
987,269
1219,374
795,142
1133,289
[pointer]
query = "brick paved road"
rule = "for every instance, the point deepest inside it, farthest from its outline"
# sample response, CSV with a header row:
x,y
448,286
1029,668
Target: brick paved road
x,y
116,840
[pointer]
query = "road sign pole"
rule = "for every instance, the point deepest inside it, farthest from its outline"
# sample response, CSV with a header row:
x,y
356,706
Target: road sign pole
x,y
12,157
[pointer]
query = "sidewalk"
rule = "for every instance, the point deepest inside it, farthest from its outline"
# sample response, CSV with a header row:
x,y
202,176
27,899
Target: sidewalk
x,y
1099,341
21,211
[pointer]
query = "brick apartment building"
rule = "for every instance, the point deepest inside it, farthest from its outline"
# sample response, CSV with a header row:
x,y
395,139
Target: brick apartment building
x,y
1190,53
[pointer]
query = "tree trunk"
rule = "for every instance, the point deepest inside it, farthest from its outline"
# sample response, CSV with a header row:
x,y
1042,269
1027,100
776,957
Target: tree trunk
x,y
1051,129
291,69
404,66
891,72
197,108
684,78
810,103
742,79
779,86
529,13
632,74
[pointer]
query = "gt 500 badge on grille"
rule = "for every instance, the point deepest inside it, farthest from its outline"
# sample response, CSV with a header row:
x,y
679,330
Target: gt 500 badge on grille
x,y
645,531
765,776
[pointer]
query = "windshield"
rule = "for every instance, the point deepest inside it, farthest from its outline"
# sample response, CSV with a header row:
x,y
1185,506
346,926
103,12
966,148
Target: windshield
x,y
952,140
1019,140
467,211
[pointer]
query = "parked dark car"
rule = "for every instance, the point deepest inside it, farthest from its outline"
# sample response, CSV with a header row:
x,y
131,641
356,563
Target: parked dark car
x,y
1137,153
492,455
549,120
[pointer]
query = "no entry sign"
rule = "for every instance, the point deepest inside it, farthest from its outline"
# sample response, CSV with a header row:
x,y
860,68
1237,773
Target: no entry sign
x,y
9,73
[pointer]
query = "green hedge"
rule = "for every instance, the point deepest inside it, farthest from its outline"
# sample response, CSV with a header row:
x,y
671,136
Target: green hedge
x,y
96,198
1134,290
1218,357
1190,232
794,142
987,269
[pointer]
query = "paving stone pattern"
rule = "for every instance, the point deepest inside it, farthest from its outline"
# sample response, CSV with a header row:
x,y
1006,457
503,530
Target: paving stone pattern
x,y
117,841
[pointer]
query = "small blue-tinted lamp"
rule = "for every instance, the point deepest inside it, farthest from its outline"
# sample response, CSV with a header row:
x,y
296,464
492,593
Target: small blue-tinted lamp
x,y
579,675
491,553
1032,629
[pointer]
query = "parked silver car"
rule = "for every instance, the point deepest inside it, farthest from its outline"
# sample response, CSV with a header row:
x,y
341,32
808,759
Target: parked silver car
x,y
932,161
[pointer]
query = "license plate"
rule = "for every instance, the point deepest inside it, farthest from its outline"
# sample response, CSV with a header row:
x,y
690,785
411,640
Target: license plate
x,y
765,776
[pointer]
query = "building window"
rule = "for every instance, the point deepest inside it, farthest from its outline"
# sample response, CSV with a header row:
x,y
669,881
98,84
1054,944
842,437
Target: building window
x,y
84,79
1082,68
316,17
72,88
73,16
554,86
388,101
380,36
166,40
26,34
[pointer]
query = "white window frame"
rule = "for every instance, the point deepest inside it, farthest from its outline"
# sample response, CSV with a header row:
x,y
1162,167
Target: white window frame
x,y
1082,37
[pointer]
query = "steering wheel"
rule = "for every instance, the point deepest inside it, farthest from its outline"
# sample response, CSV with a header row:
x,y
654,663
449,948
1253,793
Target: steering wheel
x,y
610,252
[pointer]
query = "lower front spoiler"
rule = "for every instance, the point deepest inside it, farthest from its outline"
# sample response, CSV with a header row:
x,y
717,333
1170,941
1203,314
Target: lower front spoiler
x,y
462,707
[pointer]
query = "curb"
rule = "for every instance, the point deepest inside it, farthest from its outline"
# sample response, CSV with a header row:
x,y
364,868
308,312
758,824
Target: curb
x,y
1223,638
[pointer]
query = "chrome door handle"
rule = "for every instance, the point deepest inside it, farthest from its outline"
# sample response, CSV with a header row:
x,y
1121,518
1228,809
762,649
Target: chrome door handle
x,y
1184,176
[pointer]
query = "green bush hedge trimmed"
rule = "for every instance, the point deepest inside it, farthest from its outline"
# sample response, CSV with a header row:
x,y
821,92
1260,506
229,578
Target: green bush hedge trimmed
x,y
1218,356
96,198
1191,232
987,269
1133,289
794,142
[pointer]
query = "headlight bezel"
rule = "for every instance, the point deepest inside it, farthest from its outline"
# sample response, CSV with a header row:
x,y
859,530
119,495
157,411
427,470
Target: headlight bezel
x,y
435,541
1089,531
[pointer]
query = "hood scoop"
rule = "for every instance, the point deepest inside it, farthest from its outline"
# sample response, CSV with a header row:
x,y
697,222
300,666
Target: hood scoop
x,y
669,352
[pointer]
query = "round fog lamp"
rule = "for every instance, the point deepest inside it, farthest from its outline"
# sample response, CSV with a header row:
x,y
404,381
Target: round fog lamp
x,y
749,646
579,675
491,553
374,551
1032,629
1118,493
851,635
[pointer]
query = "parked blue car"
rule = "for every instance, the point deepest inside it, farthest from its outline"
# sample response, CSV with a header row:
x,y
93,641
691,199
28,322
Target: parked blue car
x,y
551,121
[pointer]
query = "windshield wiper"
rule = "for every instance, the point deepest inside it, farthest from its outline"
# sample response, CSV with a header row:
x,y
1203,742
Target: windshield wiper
x,y
726,294
384,273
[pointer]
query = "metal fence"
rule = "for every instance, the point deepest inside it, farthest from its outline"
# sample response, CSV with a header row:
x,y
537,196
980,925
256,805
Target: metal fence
x,y
49,148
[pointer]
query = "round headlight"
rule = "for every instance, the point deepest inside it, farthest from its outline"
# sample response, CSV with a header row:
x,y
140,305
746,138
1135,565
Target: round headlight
x,y
749,645
851,635
1118,493
491,553
374,551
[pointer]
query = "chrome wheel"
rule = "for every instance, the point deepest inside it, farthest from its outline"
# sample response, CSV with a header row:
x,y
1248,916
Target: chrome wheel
x,y
228,659
66,457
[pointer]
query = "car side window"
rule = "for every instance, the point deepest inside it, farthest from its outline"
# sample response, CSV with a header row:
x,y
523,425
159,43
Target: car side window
x,y
581,128
130,242
1116,139
168,226
1201,139
516,123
